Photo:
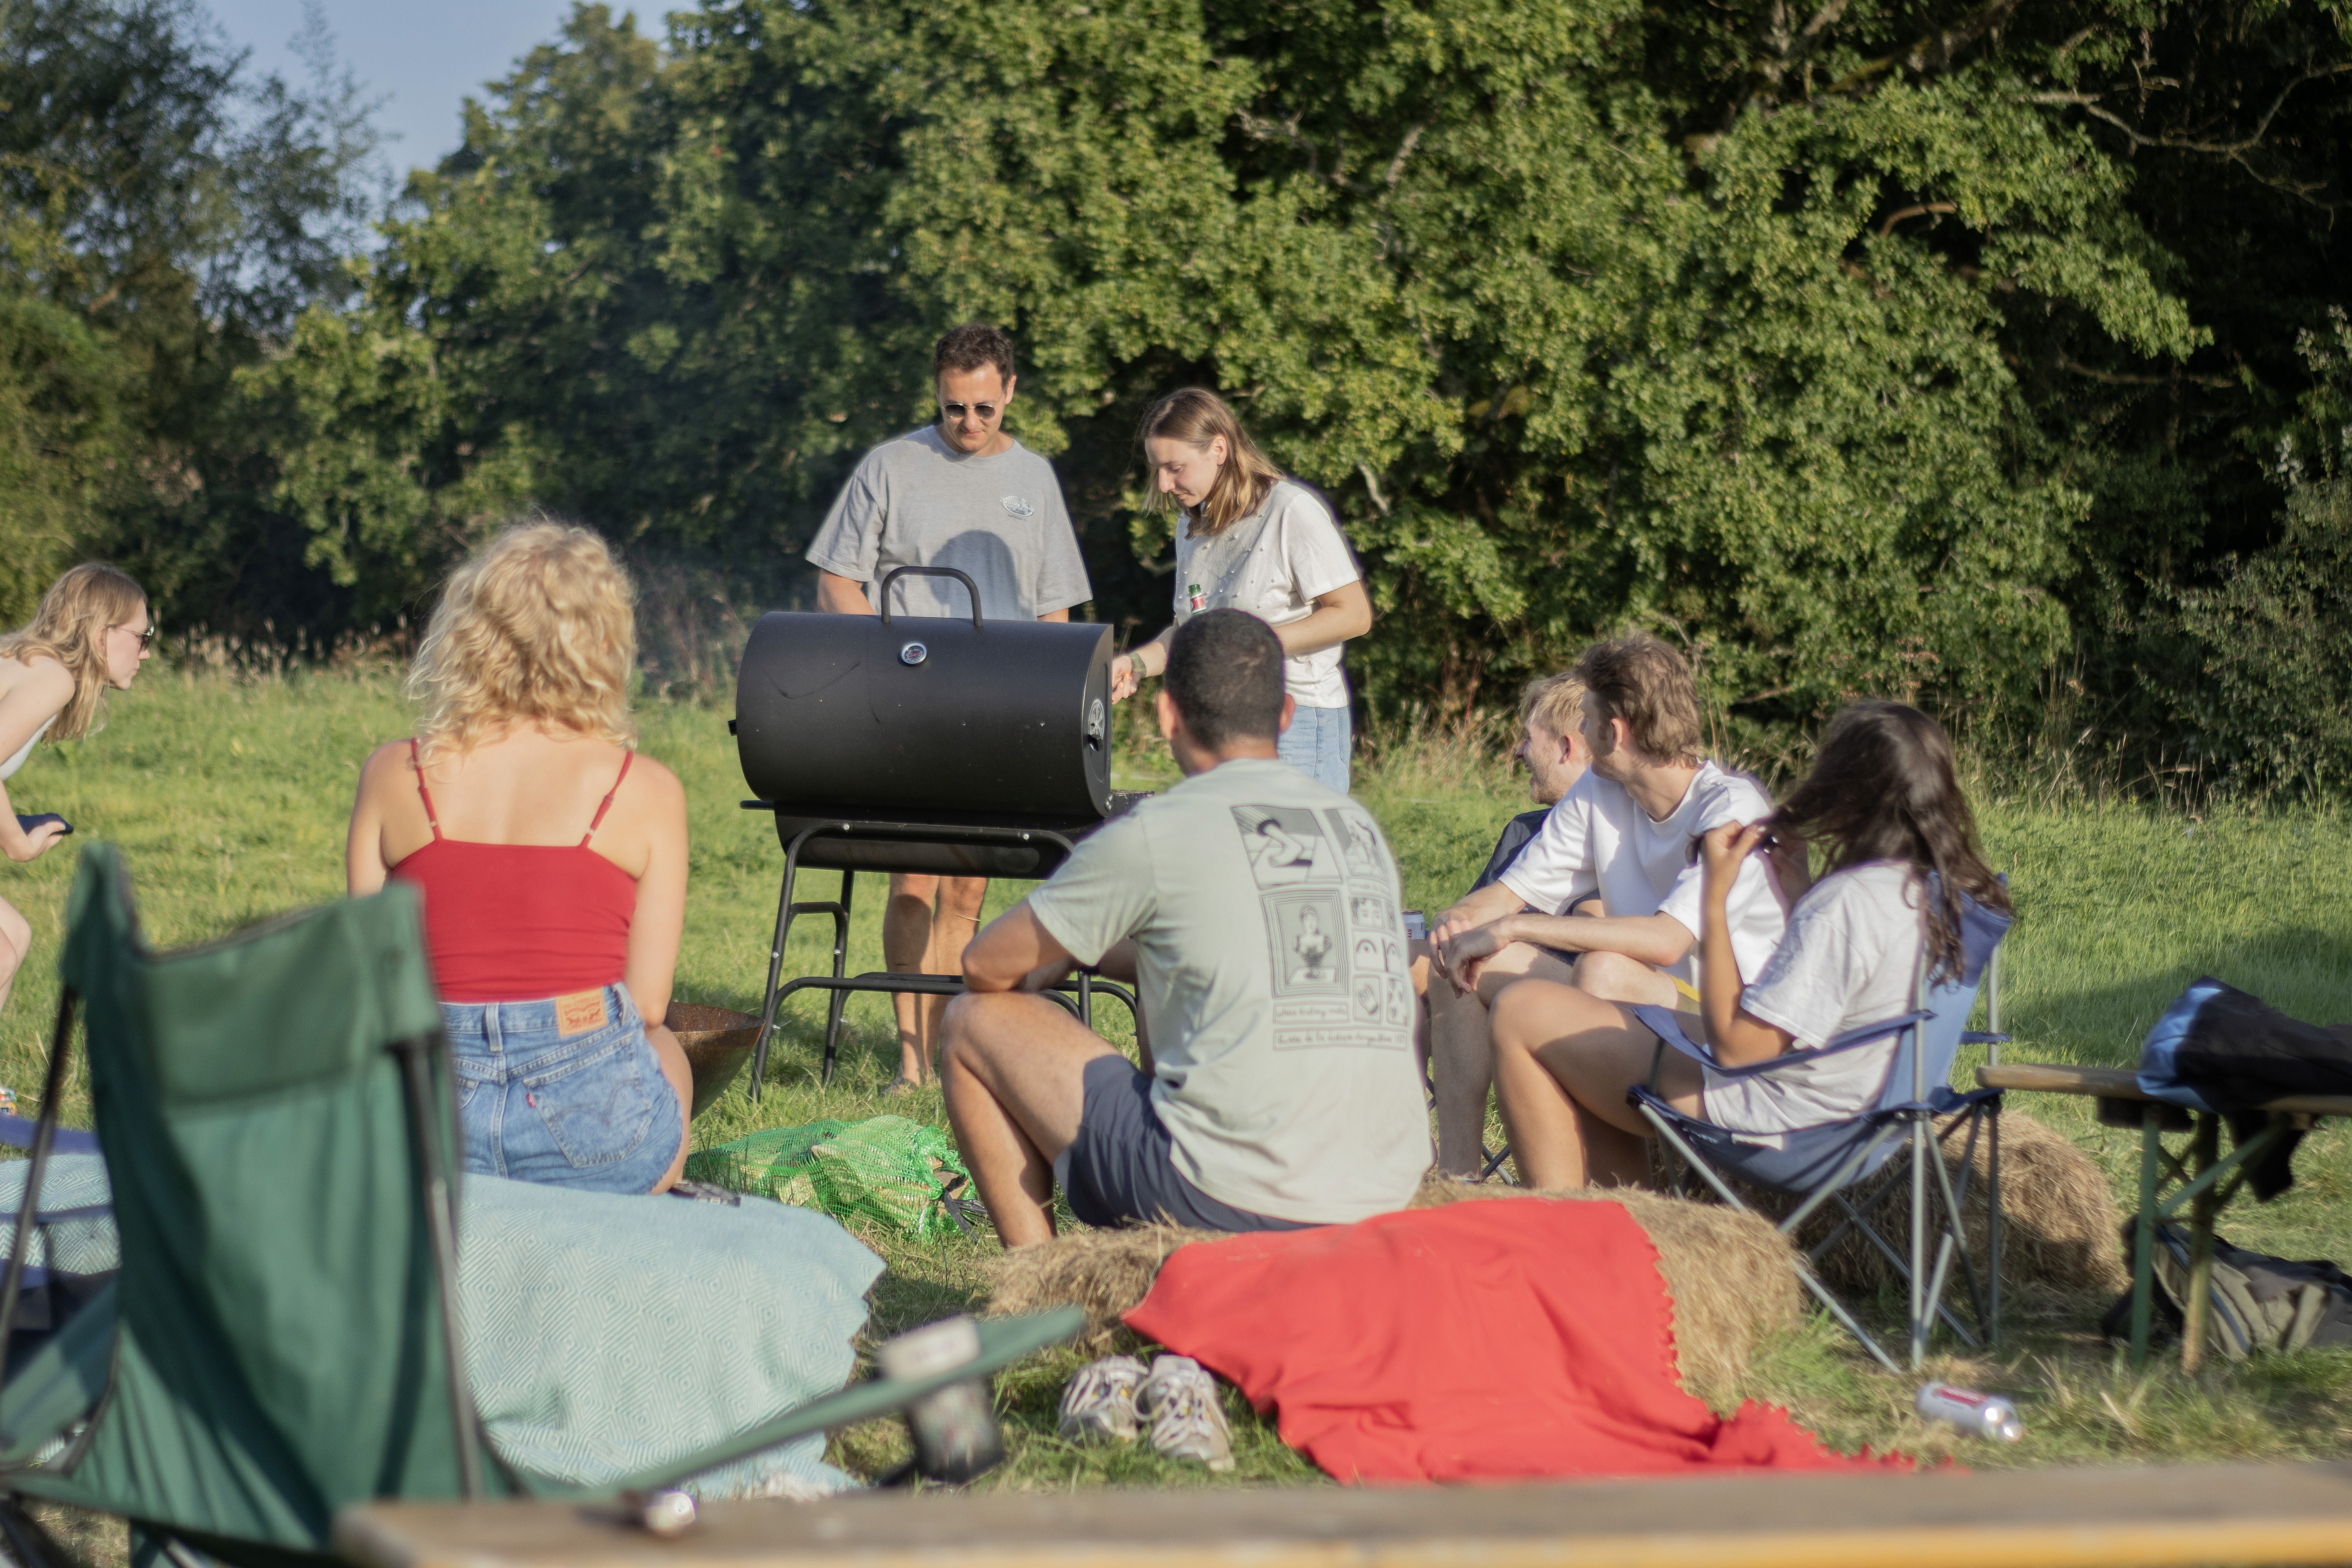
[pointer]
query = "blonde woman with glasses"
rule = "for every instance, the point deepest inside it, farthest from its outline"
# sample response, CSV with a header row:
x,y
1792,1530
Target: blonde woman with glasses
x,y
553,861
1249,537
91,632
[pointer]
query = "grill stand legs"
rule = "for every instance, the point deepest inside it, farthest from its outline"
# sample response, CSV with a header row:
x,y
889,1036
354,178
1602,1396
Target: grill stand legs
x,y
786,910
1077,995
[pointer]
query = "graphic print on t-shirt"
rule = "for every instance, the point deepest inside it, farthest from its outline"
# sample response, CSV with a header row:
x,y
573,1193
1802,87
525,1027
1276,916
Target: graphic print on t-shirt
x,y
1334,944
1284,843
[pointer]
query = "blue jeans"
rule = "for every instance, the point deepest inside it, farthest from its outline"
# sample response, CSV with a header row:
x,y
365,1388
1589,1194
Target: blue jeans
x,y
565,1091
1318,743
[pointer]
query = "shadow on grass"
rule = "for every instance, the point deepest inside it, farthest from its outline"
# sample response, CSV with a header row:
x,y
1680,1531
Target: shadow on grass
x,y
2303,971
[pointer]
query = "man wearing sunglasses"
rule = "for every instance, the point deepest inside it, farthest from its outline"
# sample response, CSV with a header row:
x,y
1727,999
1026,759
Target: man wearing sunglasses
x,y
959,492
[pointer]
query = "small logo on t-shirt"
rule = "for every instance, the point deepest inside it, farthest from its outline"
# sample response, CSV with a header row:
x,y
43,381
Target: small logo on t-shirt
x,y
1019,507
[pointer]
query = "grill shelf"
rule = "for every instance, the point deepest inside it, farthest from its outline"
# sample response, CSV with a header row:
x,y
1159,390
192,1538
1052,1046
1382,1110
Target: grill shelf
x,y
897,845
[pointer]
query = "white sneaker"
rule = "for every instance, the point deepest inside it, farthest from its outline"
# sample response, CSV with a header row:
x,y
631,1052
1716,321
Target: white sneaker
x,y
1099,1404
1188,1421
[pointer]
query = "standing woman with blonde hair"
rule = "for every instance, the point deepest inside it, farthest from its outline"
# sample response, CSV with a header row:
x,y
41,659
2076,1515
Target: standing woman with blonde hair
x,y
1250,537
553,861
91,632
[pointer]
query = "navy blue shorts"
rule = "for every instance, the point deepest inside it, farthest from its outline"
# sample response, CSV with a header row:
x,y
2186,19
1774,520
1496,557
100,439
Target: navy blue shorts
x,y
1122,1165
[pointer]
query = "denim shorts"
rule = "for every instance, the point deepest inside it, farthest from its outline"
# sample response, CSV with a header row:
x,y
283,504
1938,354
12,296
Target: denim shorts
x,y
565,1091
1318,743
1122,1165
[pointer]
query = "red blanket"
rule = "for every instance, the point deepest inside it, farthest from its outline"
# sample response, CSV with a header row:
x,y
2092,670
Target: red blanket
x,y
1474,1340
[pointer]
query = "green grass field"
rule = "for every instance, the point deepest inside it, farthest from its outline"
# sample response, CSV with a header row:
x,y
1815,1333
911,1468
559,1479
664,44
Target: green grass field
x,y
229,799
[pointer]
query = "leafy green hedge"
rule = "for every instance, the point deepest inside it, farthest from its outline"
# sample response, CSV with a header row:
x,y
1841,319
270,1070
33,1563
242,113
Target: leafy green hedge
x,y
1929,350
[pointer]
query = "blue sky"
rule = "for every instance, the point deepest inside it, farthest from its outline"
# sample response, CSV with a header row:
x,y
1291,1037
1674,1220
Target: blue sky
x,y
421,56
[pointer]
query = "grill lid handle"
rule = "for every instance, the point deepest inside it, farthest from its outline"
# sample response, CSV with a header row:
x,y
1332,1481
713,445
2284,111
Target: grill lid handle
x,y
897,572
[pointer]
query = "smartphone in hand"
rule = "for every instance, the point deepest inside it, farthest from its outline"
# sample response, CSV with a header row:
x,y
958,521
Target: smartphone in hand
x,y
42,820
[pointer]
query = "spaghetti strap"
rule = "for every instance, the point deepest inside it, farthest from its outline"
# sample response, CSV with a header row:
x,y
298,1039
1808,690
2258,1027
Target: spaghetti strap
x,y
416,761
626,758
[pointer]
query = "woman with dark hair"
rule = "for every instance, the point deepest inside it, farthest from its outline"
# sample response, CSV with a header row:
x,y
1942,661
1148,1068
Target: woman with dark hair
x,y
1884,803
1250,537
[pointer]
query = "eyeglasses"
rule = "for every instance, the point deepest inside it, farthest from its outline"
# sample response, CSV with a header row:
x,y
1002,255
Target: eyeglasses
x,y
146,638
986,411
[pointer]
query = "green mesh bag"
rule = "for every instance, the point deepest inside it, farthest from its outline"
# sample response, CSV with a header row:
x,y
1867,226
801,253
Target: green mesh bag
x,y
773,1162
888,1172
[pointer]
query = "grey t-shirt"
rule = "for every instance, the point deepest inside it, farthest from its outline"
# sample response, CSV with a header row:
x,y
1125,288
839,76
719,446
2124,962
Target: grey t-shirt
x,y
1273,970
917,501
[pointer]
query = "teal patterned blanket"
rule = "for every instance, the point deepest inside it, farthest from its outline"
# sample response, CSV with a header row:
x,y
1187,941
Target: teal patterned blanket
x,y
606,1334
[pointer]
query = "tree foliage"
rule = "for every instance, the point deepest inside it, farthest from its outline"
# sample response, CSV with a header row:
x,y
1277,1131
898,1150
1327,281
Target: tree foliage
x,y
163,215
1937,349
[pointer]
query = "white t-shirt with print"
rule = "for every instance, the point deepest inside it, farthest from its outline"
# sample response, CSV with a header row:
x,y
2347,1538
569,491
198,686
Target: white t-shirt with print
x,y
1851,959
1274,563
1599,839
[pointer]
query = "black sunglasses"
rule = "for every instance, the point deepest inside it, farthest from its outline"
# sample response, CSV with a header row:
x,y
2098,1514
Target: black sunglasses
x,y
146,638
987,411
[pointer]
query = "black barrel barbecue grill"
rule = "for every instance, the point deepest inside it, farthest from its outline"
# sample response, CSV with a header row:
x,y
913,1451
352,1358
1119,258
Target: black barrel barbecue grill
x,y
919,743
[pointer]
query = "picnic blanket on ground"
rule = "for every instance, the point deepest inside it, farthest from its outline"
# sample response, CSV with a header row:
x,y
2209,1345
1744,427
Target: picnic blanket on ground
x,y
84,1243
605,1334
1486,1341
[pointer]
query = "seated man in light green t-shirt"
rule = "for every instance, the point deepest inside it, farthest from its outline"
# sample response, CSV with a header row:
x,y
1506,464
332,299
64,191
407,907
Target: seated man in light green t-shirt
x,y
1279,1089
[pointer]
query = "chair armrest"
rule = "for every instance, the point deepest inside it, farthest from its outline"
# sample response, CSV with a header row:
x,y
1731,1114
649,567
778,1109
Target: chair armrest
x,y
1852,1039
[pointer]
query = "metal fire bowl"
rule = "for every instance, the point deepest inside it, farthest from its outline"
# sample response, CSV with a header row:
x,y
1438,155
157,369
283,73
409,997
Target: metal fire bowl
x,y
718,1042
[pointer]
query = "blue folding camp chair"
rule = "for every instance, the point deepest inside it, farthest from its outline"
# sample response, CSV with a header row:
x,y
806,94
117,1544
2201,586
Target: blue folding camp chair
x,y
1817,1166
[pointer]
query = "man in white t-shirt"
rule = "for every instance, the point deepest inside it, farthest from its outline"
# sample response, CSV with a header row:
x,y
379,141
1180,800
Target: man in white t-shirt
x,y
1278,1089
960,493
1626,831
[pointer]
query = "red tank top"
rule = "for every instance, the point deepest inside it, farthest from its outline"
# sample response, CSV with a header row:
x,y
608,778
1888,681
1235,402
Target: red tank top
x,y
516,922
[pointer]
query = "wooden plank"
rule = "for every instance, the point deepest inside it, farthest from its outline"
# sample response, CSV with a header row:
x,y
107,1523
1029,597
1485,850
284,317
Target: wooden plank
x,y
2123,1083
2020,1519
2107,1083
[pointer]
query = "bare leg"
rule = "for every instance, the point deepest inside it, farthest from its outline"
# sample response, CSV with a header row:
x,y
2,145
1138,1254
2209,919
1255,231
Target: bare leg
x,y
1463,1063
906,944
1563,1063
1614,977
1013,1066
680,1073
1463,1069
925,929
955,921
15,945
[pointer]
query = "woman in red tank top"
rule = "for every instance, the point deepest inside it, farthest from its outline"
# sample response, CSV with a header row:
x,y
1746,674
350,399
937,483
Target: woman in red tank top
x,y
552,862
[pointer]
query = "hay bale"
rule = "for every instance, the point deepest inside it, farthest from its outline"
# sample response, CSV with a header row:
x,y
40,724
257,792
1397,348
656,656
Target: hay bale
x,y
1106,1272
2059,1219
1730,1278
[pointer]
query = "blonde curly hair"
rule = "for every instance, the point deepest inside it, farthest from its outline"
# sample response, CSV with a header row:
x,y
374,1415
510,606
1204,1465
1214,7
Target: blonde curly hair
x,y
70,627
538,626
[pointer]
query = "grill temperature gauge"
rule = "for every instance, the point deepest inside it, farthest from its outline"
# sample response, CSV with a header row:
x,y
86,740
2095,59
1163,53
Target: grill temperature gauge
x,y
913,653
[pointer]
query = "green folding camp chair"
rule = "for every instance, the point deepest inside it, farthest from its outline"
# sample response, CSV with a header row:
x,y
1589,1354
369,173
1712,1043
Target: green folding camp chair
x,y
283,1340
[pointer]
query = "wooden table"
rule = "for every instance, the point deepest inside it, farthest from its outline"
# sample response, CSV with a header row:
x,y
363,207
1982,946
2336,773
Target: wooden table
x,y
2196,1514
2198,1182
